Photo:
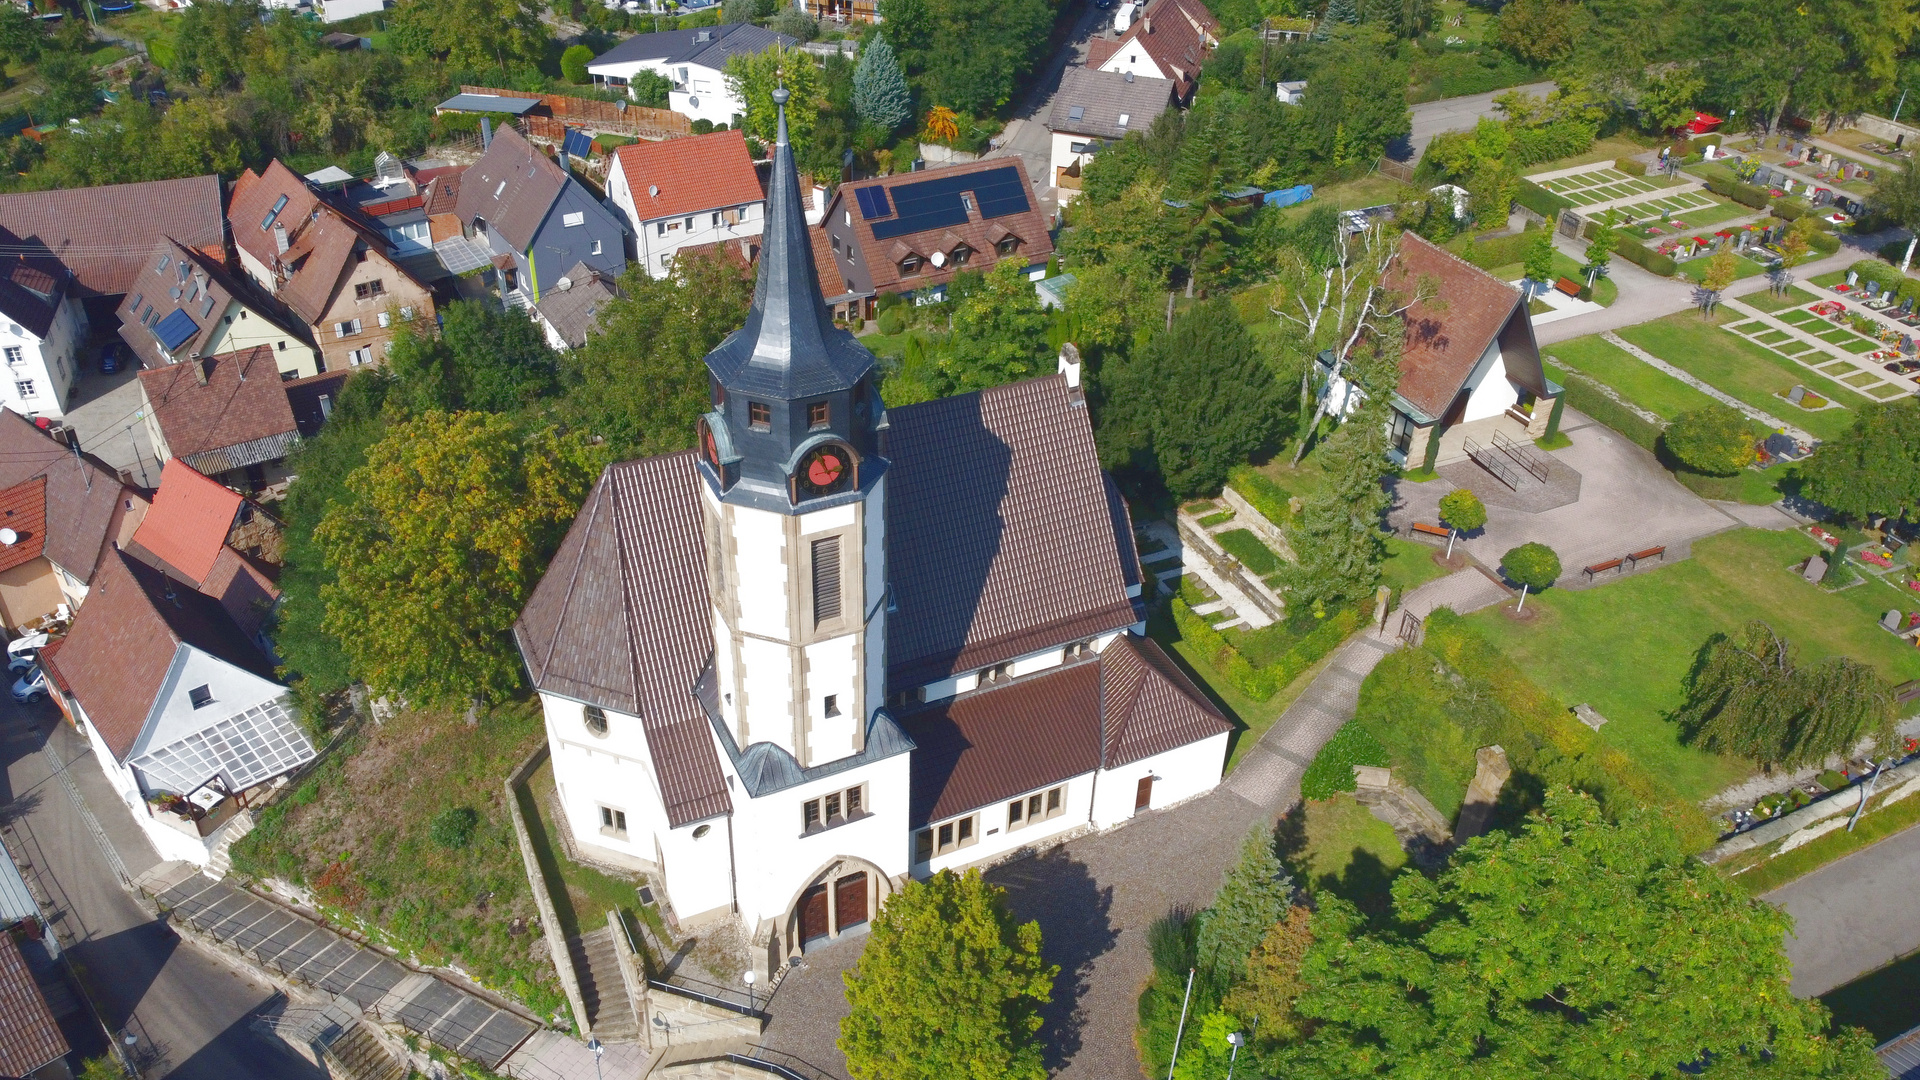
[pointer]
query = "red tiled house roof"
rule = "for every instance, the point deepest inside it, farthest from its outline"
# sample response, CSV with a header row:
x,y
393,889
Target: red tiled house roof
x,y
187,526
1177,34
23,509
103,234
1448,334
704,172
81,495
30,1038
237,417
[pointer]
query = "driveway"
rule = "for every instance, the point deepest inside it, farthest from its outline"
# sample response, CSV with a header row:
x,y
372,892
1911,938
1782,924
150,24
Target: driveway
x,y
188,1012
1027,136
1854,915
108,413
1432,118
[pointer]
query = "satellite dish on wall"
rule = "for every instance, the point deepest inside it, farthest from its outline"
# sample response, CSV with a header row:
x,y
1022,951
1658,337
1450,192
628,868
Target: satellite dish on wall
x,y
8,537
938,258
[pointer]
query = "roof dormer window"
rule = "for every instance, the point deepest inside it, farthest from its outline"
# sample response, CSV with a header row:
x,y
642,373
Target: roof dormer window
x,y
910,265
962,254
1007,244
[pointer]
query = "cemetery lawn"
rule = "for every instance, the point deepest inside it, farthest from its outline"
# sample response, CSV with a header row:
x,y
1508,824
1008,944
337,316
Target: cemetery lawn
x,y
1766,301
1743,369
1695,270
1639,382
1605,292
1654,624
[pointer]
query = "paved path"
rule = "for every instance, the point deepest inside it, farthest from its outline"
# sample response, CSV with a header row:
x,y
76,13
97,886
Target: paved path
x,y
1706,388
1096,896
1432,118
1854,915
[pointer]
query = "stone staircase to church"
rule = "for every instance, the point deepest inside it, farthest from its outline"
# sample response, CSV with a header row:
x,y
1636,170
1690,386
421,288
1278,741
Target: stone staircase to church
x,y
609,1009
358,1055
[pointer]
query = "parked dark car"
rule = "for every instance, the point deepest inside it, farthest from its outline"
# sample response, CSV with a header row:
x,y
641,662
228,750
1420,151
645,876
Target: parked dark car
x,y
109,358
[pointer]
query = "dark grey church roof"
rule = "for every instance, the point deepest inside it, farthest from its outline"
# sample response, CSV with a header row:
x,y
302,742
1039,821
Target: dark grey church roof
x,y
708,46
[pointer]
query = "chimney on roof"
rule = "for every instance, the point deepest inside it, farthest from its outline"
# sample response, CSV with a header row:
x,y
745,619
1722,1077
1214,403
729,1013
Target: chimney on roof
x,y
1147,26
1070,364
199,369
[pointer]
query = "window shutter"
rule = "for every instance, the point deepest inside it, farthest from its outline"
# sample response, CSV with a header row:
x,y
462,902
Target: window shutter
x,y
826,579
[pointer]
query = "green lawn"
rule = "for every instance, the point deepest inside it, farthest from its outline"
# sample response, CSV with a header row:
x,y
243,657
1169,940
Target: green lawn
x,y
1410,564
1793,348
1344,850
1695,270
1885,391
1795,317
1771,337
1652,625
587,894
1254,555
1765,301
1739,367
1638,382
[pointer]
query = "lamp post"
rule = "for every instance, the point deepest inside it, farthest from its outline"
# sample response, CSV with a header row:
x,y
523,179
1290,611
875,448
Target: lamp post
x,y
593,1044
748,979
1236,1040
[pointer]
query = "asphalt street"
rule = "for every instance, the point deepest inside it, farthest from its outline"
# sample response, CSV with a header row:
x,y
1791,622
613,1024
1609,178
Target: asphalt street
x,y
1854,915
188,1011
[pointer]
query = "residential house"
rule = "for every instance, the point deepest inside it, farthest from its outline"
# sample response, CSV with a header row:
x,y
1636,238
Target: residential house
x,y
684,193
178,703
440,201
571,309
536,219
43,328
880,688
102,235
841,11
189,534
187,305
227,416
695,61
32,1045
312,400
66,511
1169,39
341,10
336,274
1094,108
909,233
1470,371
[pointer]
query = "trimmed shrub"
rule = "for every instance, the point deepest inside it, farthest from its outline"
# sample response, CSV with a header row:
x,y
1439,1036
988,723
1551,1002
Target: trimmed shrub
x,y
1645,257
1494,250
1630,166
1541,201
1332,768
892,321
573,64
1584,396
1261,683
1827,244
1715,440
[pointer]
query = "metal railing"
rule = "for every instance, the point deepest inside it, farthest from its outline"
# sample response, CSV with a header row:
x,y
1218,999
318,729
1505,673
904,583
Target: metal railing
x,y
1521,455
1493,463
724,997
780,1063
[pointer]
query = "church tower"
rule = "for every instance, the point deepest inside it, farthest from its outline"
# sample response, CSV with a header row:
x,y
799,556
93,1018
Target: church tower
x,y
794,490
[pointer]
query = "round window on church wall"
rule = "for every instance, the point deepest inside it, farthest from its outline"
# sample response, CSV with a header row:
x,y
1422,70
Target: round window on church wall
x,y
596,721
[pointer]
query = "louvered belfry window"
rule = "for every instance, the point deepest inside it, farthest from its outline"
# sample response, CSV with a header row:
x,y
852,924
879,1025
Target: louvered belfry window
x,y
826,579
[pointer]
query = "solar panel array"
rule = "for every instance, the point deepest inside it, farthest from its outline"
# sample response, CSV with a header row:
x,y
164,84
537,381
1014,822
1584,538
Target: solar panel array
x,y
936,203
175,330
873,202
250,746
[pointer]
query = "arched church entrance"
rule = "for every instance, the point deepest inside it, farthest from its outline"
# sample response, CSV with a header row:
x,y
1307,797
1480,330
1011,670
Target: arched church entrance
x,y
838,900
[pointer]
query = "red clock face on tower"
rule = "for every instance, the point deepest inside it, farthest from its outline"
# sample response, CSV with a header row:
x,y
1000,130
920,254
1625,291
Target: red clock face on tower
x,y
826,470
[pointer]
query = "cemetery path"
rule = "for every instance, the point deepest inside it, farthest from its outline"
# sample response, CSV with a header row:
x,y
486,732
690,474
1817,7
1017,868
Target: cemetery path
x,y
1854,915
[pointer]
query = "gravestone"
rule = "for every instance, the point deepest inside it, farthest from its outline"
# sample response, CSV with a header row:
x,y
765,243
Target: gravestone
x,y
1907,347
1853,278
1489,776
1891,620
1796,395
1589,716
1815,569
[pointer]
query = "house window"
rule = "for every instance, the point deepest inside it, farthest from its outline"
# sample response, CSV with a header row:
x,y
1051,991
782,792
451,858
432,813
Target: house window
x,y
830,705
1400,431
200,696
1038,806
961,255
594,248
826,579
759,416
596,719
347,328
666,259
659,228
360,356
1007,244
910,265
833,808
14,355
367,290
716,219
613,822
283,346
819,414
24,387
947,836
384,319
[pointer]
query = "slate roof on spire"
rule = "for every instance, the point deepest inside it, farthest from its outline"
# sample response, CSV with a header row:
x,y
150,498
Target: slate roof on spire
x,y
789,347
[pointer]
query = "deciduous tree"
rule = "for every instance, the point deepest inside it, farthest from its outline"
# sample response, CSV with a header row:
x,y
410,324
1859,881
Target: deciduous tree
x,y
1601,238
1714,440
444,532
1749,697
1721,270
1463,510
999,332
969,54
573,64
1532,566
1539,263
1265,994
1539,32
1874,468
1897,193
1577,947
752,77
947,987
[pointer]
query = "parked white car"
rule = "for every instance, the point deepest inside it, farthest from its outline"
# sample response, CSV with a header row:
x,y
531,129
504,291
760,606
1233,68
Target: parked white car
x,y
30,687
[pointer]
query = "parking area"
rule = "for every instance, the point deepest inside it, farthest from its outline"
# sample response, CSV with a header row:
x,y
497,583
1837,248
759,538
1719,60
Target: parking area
x,y
107,412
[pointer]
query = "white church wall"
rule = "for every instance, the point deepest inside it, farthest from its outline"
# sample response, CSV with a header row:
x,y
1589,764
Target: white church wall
x,y
875,519
694,862
760,563
1180,773
998,836
1492,393
615,772
766,669
723,673
776,857
833,670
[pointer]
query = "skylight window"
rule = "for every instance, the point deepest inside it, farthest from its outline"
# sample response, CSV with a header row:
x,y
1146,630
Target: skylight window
x,y
1078,112
1123,119
279,204
568,221
165,261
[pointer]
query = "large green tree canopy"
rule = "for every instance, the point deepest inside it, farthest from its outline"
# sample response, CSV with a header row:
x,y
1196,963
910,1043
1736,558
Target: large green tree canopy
x,y
1874,468
967,54
1578,948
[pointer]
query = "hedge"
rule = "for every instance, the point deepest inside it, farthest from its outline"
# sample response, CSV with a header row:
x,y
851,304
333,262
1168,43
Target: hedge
x,y
1825,243
1495,250
1583,395
1261,683
1645,257
1630,166
1332,769
1262,494
1744,194
1541,201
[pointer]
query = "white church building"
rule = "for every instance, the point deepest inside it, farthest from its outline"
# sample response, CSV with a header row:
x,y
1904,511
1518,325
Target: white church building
x,y
839,646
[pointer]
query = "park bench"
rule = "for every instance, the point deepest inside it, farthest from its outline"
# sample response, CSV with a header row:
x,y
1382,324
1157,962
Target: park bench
x,y
1633,560
1568,286
1430,530
1601,568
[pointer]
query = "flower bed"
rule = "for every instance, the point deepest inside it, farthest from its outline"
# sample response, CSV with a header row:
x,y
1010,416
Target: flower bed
x,y
1824,536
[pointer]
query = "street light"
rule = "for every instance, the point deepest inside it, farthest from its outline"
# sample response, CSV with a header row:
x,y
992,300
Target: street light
x,y
748,979
1236,1040
593,1044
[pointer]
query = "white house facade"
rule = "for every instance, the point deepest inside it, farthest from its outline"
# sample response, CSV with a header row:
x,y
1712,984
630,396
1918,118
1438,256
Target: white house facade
x,y
694,61
41,331
686,193
786,672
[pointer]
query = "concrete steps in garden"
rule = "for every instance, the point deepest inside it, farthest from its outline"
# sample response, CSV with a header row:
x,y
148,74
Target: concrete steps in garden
x,y
609,1010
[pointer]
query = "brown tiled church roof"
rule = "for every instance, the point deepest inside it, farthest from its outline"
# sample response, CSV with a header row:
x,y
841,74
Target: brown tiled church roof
x,y
1447,335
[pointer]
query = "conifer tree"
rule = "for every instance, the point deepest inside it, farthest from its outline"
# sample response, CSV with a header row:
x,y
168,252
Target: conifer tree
x,y
879,89
1337,535
1255,896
